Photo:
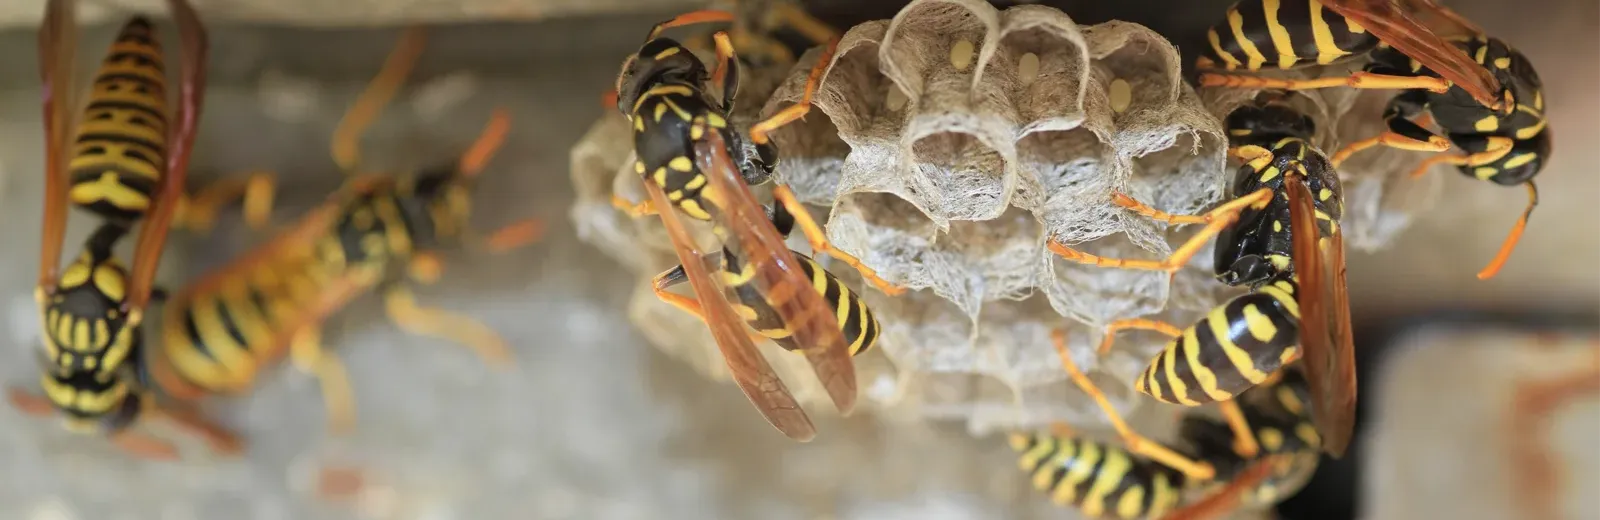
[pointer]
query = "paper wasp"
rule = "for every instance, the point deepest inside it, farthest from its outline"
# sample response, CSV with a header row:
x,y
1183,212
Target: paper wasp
x,y
693,162
1253,467
220,332
1279,236
1446,81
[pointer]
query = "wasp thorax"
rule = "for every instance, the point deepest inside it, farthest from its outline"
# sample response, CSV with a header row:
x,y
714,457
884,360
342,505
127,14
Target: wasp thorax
x,y
659,60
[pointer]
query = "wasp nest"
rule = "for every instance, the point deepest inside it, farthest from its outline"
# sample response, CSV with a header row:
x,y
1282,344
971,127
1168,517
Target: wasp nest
x,y
947,146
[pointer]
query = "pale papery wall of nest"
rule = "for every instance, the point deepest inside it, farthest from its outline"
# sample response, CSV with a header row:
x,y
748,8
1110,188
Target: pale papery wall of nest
x,y
944,148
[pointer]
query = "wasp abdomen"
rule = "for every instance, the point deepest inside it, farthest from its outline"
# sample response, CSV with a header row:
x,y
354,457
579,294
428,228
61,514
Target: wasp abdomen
x,y
121,144
856,321
1284,34
1237,345
1100,479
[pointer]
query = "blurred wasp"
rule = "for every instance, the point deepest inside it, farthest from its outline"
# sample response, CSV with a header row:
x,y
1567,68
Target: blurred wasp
x,y
1279,236
692,162
1483,94
125,163
1253,469
220,332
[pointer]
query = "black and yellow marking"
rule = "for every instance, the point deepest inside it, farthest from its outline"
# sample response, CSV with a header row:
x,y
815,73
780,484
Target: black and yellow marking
x,y
1234,347
1285,34
84,329
856,321
217,339
121,144
1102,480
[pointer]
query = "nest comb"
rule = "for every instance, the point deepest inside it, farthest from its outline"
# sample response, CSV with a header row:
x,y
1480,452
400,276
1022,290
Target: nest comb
x,y
947,145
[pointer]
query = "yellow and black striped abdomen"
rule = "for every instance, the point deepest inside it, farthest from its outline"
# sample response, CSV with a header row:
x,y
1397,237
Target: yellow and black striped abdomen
x,y
1102,480
1284,34
667,120
856,321
121,144
216,339
1235,346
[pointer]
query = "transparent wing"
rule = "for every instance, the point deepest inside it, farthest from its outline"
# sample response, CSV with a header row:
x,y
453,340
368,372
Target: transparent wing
x,y
1328,352
750,371
191,88
1442,20
744,225
1219,503
1397,28
58,40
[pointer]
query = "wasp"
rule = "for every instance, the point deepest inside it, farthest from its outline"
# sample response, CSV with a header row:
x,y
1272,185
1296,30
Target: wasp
x,y
1504,137
1253,469
220,332
692,161
1280,237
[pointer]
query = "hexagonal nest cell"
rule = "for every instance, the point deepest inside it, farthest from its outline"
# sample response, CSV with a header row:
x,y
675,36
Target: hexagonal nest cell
x,y
945,147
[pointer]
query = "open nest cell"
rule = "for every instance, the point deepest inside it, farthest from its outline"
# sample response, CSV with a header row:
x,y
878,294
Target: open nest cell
x,y
945,147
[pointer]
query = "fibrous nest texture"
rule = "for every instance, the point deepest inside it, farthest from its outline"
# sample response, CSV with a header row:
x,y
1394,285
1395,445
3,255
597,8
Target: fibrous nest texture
x,y
944,149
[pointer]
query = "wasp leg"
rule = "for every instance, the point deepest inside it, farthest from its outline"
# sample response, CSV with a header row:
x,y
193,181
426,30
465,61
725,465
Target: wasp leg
x,y
1135,443
802,22
691,18
1168,329
221,440
402,307
1528,424
1361,80
632,210
759,131
144,446
307,354
1216,220
1256,156
1406,121
819,241
1510,243
28,403
346,145
688,304
1244,439
257,190
1494,148
727,73
487,144
511,236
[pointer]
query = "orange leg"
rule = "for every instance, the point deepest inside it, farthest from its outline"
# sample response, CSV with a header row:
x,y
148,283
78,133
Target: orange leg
x,y
346,143
808,26
221,440
1392,140
1168,329
403,310
1498,148
307,354
1256,156
819,241
515,235
687,303
1244,439
1510,243
633,210
1537,475
256,189
1135,443
488,143
1361,80
1216,220
759,131
138,444
691,18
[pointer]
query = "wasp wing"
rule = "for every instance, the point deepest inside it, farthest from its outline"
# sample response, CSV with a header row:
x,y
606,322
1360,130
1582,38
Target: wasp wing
x,y
191,88
1328,353
1442,20
1398,29
1223,501
58,41
745,226
750,371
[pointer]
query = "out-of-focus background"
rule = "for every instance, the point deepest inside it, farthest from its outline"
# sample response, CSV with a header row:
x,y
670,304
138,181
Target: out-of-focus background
x,y
594,423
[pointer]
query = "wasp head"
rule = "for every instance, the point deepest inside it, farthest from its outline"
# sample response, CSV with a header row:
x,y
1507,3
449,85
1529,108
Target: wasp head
x,y
659,60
